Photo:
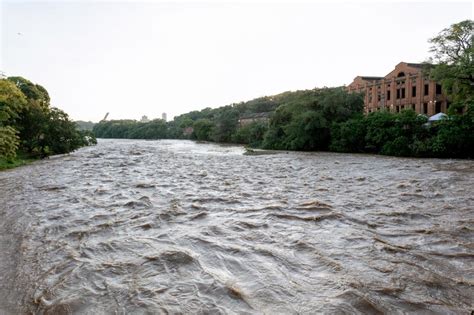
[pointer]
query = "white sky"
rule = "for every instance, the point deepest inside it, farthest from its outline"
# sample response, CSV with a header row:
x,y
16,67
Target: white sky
x,y
145,58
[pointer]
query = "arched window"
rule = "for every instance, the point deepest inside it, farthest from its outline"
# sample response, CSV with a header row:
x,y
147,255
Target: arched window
x,y
400,74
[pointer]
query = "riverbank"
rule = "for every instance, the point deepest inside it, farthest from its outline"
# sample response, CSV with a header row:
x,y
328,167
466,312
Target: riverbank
x,y
20,160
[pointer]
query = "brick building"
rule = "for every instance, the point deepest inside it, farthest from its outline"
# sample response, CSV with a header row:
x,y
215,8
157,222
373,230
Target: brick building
x,y
403,88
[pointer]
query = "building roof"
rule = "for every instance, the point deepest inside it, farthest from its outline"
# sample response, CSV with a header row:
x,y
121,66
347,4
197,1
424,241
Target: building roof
x,y
371,78
401,67
416,65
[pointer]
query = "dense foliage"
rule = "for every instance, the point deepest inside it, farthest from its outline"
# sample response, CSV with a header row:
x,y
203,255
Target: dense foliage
x,y
28,123
304,122
453,53
406,134
315,108
218,124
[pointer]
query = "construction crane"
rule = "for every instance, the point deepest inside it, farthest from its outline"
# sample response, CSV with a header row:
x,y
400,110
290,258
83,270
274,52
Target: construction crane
x,y
105,117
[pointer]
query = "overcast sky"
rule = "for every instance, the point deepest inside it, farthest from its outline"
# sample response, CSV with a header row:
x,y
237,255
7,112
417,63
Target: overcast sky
x,y
145,58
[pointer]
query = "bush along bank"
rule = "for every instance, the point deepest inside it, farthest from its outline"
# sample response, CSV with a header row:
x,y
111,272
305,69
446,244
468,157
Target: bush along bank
x,y
406,134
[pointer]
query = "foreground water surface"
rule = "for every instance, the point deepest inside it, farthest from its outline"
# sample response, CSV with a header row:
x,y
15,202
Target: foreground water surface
x,y
181,227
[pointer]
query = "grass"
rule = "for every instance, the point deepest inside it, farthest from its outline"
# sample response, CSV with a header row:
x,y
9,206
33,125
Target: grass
x,y
20,159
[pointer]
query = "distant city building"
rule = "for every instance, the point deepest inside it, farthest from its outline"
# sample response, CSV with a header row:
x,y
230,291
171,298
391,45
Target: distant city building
x,y
144,119
405,87
163,116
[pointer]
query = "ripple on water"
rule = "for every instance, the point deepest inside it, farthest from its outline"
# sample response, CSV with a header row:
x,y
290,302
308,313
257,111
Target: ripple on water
x,y
181,227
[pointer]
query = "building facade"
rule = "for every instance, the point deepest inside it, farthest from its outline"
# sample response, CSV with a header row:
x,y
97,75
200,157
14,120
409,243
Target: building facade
x,y
405,87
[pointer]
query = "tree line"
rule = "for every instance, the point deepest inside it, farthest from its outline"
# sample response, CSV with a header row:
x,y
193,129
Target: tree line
x,y
29,126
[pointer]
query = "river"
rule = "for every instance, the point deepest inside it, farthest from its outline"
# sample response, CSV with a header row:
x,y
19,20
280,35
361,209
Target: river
x,y
168,227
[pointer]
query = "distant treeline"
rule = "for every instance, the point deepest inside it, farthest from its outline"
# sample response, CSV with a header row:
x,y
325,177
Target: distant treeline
x,y
328,119
310,112
31,127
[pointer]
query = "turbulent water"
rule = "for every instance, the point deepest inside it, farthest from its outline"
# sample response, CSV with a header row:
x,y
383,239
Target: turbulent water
x,y
181,227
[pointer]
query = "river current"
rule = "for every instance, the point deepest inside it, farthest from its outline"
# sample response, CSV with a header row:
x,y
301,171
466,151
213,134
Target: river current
x,y
178,227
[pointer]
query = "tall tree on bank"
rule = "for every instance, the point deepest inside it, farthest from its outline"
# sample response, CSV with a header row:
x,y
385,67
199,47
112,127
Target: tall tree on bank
x,y
453,53
30,125
12,103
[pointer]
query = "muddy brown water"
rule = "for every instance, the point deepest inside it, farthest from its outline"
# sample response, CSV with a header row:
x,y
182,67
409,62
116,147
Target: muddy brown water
x,y
171,227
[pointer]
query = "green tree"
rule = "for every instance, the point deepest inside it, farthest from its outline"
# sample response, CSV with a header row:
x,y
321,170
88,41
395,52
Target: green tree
x,y
203,129
304,120
251,134
12,102
226,124
349,136
453,51
33,92
9,142
454,137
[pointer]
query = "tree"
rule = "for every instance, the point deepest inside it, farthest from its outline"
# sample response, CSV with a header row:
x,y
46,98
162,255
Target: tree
x,y
33,92
226,125
12,102
9,142
251,134
454,54
349,136
203,129
59,135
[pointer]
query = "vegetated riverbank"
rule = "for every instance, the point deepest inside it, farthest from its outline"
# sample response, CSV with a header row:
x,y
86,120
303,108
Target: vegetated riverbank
x,y
31,129
314,120
19,160
170,226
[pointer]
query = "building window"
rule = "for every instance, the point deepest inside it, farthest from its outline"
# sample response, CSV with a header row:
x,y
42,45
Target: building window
x,y
398,94
388,95
427,89
403,92
379,97
425,108
413,106
398,109
438,89
413,91
437,107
